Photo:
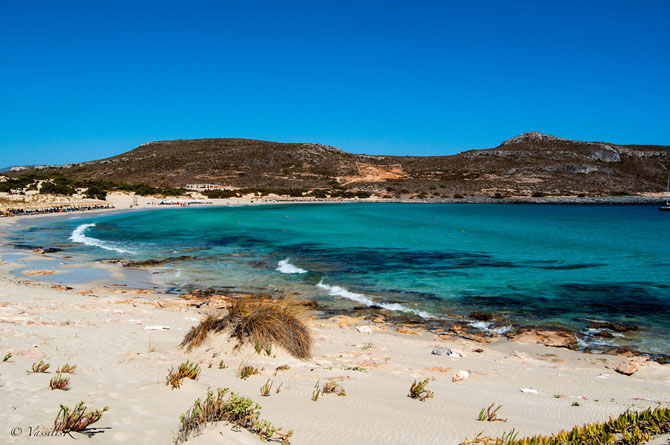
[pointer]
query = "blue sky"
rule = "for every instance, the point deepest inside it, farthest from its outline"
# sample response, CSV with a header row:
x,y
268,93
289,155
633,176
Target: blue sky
x,y
82,80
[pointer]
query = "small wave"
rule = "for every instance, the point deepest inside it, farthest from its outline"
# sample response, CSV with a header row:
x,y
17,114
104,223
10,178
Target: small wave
x,y
339,291
486,327
284,266
78,235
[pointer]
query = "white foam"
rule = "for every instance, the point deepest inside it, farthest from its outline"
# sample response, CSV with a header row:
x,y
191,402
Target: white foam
x,y
486,327
339,291
79,236
284,266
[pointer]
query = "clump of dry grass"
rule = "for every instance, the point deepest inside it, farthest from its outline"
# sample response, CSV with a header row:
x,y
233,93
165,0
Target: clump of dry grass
x,y
237,410
66,369
76,420
282,368
60,382
418,390
262,321
39,367
333,387
186,370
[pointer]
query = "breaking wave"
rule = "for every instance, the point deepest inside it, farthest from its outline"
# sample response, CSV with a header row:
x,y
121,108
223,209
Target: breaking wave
x,y
284,266
339,291
78,235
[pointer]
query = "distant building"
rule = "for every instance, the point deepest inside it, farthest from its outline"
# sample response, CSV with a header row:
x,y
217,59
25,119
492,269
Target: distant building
x,y
205,187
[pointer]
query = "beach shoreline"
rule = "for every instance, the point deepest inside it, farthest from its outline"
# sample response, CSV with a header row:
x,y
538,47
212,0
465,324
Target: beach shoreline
x,y
542,389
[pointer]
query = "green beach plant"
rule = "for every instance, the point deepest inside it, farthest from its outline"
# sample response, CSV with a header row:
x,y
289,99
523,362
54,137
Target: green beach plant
x,y
186,370
490,414
39,367
7,357
78,419
266,388
66,369
60,382
317,392
418,390
246,371
629,428
236,409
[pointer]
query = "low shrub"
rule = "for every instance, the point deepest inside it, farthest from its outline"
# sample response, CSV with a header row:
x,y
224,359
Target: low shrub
x,y
238,410
629,428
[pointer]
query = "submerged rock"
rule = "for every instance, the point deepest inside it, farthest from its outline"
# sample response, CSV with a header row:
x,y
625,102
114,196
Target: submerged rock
x,y
153,262
481,316
612,326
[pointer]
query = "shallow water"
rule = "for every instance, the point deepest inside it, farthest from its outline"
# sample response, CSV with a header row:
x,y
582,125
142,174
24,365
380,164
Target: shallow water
x,y
534,264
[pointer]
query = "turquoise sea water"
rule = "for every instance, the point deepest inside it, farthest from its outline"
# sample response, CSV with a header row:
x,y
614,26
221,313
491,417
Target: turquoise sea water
x,y
533,264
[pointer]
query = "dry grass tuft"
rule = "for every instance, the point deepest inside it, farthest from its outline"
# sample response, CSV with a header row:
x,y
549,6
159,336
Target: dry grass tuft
x,y
66,369
77,419
186,370
262,321
39,367
60,382
333,387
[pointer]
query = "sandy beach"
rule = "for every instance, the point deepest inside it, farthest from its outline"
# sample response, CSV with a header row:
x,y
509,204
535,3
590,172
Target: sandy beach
x,y
124,341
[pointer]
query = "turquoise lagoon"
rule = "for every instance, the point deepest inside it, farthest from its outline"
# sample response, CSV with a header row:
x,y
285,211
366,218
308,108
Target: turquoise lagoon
x,y
531,264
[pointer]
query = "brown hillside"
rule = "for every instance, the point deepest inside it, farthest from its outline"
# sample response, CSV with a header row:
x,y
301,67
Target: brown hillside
x,y
526,164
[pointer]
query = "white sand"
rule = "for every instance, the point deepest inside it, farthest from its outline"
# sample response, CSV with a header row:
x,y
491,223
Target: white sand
x,y
123,365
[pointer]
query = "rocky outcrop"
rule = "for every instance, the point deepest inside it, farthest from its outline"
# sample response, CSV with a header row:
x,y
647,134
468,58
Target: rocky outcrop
x,y
548,336
531,136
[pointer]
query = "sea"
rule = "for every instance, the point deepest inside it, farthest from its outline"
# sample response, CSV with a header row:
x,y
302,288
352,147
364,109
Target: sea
x,y
554,265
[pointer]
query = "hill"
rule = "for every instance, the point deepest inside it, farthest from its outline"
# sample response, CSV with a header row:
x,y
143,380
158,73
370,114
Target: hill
x,y
531,163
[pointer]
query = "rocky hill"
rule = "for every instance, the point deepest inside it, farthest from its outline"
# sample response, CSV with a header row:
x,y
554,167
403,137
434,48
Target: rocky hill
x,y
532,163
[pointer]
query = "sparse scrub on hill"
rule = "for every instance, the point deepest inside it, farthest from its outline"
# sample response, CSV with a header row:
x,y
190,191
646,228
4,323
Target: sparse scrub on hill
x,y
236,409
260,320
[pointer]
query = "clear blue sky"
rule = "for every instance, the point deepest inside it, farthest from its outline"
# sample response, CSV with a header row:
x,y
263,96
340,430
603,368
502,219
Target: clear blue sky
x,y
82,80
